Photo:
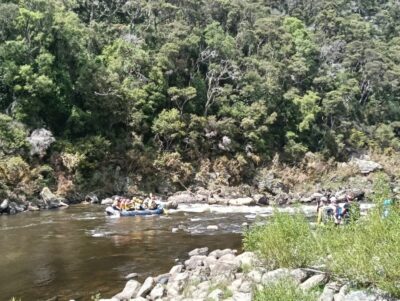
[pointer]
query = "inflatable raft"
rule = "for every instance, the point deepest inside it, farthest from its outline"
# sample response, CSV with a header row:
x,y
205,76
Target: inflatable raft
x,y
114,212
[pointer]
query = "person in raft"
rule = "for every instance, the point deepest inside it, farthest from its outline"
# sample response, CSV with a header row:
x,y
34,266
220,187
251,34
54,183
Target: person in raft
x,y
150,202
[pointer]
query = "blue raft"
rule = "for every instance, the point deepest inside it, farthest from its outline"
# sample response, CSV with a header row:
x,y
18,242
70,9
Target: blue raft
x,y
114,212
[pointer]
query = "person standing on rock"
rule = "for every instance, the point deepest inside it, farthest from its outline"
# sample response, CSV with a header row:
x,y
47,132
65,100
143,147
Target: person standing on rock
x,y
337,211
351,209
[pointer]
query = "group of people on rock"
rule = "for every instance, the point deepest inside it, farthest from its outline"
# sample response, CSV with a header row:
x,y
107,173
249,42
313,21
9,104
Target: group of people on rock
x,y
149,203
329,210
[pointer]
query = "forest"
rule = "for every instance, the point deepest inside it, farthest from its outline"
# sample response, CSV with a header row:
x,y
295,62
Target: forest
x,y
164,92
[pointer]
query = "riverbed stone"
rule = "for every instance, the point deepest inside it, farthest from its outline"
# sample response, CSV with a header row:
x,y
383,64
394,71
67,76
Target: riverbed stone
x,y
255,275
298,275
248,201
239,296
216,295
219,253
195,261
157,292
275,276
131,288
162,279
313,281
327,294
246,287
107,201
247,259
360,296
131,275
177,282
366,166
176,269
146,287
199,251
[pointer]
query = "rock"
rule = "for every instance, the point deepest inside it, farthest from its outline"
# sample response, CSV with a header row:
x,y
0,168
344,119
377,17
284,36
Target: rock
x,y
199,251
242,202
282,199
176,269
248,259
51,200
93,199
146,287
261,199
327,294
131,288
139,299
177,282
40,140
194,262
313,281
212,227
174,230
4,204
239,296
225,267
157,292
298,275
216,295
255,275
360,296
216,200
275,276
131,275
246,287
171,204
14,208
162,279
219,253
107,201
185,197
366,166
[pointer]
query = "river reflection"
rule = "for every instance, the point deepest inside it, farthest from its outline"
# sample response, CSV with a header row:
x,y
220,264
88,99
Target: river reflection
x,y
77,252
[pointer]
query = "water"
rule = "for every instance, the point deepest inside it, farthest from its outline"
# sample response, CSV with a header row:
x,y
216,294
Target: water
x,y
78,252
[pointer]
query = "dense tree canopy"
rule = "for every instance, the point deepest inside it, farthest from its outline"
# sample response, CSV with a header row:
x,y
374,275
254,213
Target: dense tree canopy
x,y
194,80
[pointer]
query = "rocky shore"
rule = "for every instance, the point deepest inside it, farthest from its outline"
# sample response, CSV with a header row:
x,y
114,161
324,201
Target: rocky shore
x,y
224,275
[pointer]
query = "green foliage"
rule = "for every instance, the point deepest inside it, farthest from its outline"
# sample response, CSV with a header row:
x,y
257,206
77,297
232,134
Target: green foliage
x,y
366,251
284,289
179,76
286,241
13,136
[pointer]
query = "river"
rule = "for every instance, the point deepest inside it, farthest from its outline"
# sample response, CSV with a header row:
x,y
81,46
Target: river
x,y
77,252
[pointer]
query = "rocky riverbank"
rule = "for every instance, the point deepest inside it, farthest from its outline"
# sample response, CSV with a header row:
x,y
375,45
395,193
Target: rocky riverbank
x,y
224,275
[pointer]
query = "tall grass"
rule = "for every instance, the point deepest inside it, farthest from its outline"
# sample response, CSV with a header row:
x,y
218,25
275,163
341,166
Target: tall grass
x,y
365,252
284,290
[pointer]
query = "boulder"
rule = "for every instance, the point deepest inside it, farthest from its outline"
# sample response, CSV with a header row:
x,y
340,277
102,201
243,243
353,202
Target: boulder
x,y
173,204
199,251
107,201
313,281
146,287
157,292
219,253
185,197
247,259
51,200
93,199
176,283
4,204
162,279
366,166
195,261
255,275
261,199
239,296
242,202
176,269
275,276
216,295
131,288
361,296
298,275
131,275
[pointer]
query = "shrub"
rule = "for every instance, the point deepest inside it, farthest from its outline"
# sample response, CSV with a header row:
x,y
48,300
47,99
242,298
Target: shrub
x,y
287,241
286,290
